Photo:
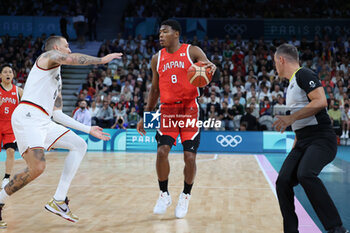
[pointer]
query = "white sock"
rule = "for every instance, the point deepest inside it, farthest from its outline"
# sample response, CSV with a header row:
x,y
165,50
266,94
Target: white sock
x,y
77,148
3,196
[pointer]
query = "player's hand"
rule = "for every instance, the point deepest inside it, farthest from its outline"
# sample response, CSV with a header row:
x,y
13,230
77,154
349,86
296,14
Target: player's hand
x,y
211,66
140,128
96,131
283,122
110,57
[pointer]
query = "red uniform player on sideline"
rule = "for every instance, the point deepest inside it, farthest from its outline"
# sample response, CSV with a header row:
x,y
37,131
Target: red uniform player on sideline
x,y
10,96
178,104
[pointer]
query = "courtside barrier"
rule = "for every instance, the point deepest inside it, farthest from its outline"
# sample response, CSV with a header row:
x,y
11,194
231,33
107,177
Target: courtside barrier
x,y
211,141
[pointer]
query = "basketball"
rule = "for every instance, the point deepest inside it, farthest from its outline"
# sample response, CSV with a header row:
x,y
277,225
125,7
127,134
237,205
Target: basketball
x,y
198,75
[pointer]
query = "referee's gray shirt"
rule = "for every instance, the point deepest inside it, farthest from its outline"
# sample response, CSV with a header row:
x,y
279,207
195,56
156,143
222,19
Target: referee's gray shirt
x,y
303,82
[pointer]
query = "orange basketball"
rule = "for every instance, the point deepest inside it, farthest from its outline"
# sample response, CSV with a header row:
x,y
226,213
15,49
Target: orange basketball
x,y
198,75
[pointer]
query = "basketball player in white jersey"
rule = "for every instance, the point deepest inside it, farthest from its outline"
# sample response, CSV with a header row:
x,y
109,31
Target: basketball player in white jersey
x,y
36,132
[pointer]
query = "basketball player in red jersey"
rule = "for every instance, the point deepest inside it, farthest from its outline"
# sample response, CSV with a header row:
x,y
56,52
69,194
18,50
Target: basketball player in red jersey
x,y
178,103
10,96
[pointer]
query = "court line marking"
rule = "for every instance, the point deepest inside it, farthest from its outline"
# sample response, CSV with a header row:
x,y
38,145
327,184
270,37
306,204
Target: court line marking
x,y
212,159
272,186
306,224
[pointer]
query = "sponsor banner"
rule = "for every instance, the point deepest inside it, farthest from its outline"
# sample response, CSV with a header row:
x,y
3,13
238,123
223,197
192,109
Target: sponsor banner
x,y
148,142
246,28
149,26
211,141
199,27
286,28
34,25
278,142
231,141
117,142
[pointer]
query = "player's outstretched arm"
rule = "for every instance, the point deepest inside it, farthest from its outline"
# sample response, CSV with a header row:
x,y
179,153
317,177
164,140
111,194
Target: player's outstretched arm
x,y
153,94
65,120
56,57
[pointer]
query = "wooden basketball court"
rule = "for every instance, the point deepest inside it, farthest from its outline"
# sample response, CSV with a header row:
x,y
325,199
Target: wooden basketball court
x,y
116,192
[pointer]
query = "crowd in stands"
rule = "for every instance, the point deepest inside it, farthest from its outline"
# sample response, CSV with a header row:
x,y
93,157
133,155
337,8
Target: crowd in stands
x,y
239,9
248,95
46,8
84,14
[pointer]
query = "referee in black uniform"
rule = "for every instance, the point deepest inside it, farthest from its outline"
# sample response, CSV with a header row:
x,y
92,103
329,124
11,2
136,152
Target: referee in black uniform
x,y
314,147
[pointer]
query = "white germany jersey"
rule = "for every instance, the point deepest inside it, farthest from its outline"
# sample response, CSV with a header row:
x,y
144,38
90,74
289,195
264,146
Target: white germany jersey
x,y
42,87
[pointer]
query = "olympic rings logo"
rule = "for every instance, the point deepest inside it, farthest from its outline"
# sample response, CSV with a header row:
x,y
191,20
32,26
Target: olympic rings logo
x,y
234,29
228,140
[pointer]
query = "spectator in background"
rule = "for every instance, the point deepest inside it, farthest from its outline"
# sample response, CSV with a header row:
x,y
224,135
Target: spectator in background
x,y
92,19
275,93
107,79
133,118
251,79
265,107
119,124
238,56
83,114
280,108
243,126
63,26
242,100
251,94
264,93
80,28
127,93
335,114
115,88
212,113
237,108
255,107
345,118
93,112
226,117
120,112
104,117
213,101
250,120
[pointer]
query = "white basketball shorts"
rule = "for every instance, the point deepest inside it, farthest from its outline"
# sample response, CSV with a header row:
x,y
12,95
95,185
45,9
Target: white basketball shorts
x,y
33,128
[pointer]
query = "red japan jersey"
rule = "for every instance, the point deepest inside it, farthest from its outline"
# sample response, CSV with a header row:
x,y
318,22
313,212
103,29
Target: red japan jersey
x,y
172,69
10,100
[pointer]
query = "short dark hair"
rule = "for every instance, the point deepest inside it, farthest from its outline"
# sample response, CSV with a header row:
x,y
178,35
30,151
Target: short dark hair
x,y
290,51
51,41
5,65
175,25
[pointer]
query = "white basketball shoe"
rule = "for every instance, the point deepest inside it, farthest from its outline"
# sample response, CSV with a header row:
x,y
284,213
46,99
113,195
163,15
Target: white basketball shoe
x,y
182,205
163,202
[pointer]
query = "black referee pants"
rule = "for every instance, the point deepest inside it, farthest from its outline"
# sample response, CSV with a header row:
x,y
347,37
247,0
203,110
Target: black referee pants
x,y
303,164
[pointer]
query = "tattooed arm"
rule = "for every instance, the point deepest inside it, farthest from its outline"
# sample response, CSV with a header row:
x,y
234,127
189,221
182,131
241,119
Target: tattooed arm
x,y
58,102
54,57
